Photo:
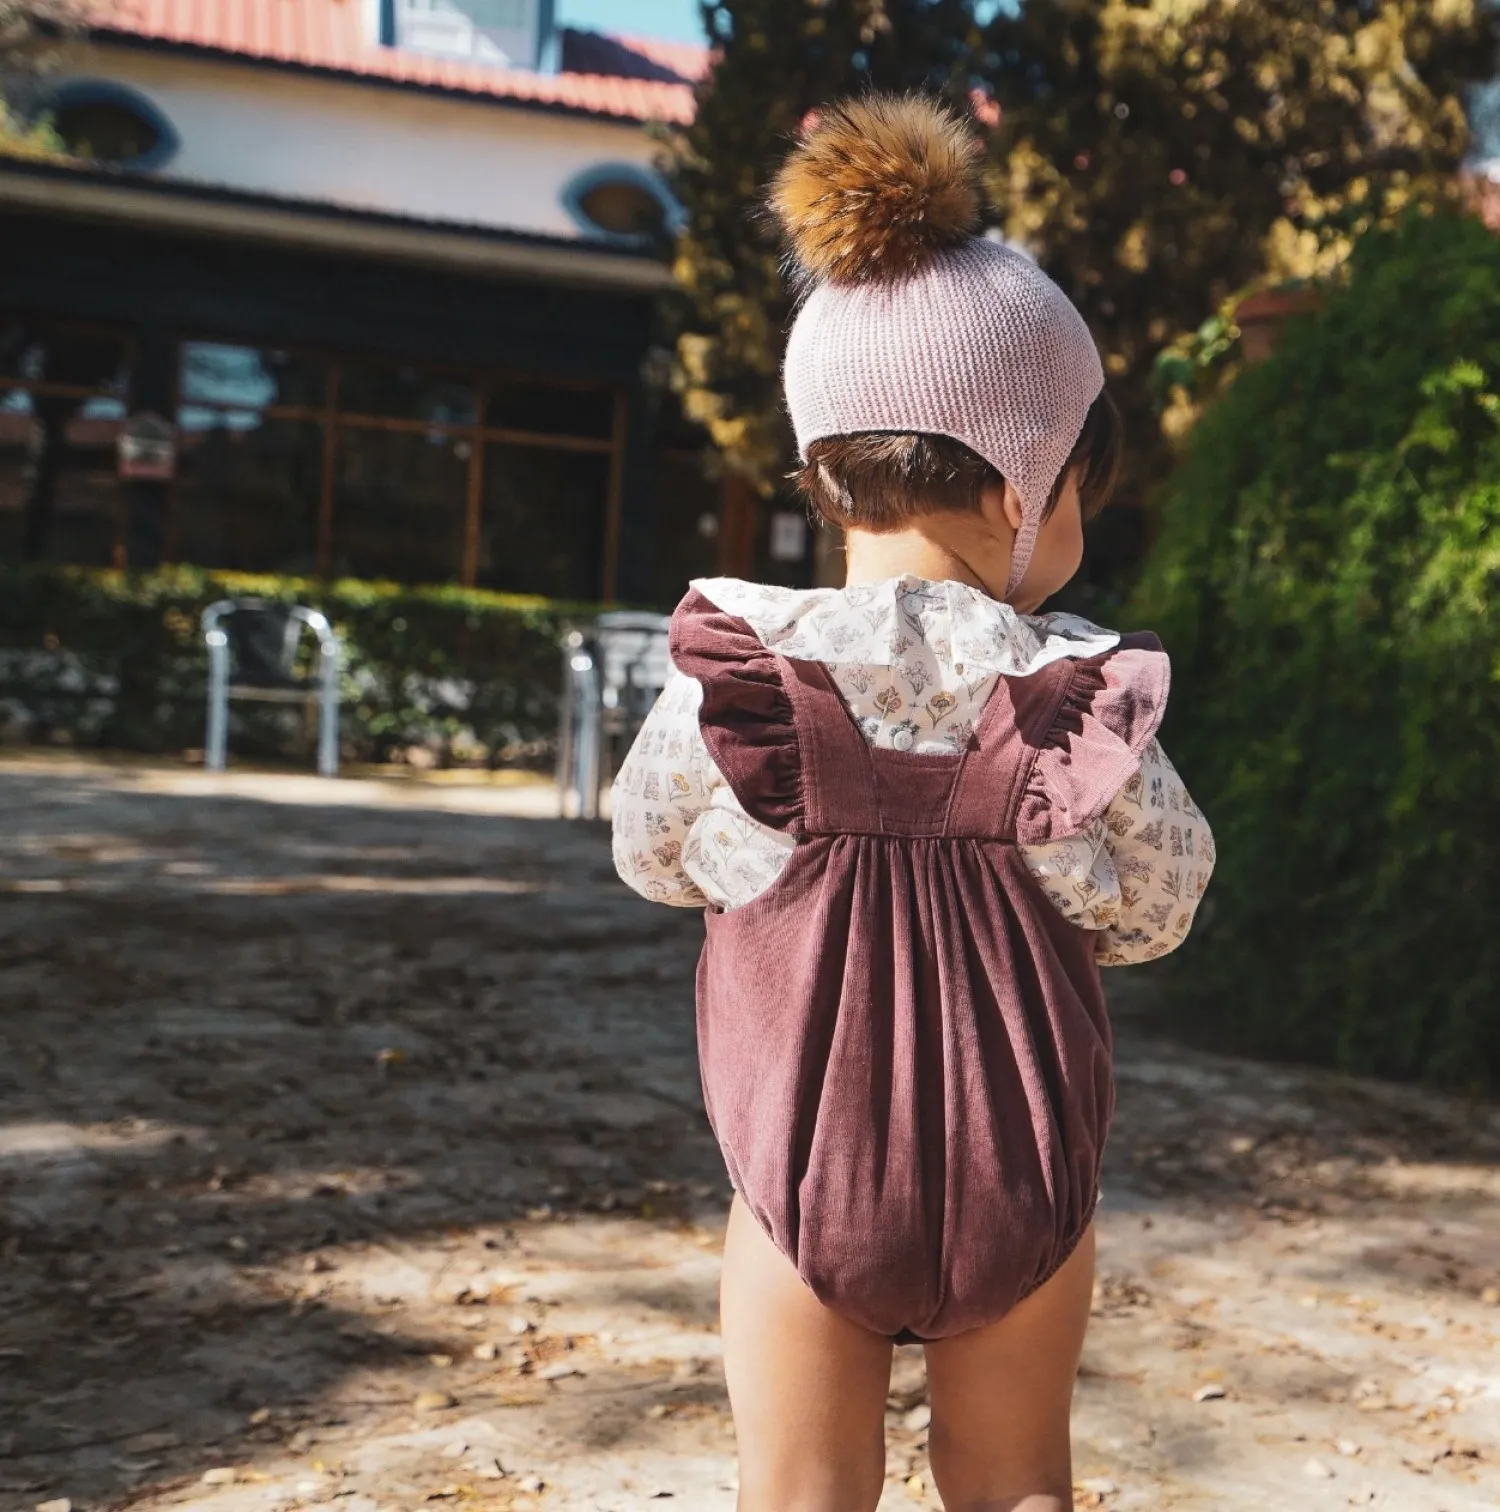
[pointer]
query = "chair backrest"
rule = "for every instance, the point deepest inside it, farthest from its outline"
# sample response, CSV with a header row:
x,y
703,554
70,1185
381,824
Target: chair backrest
x,y
262,638
633,659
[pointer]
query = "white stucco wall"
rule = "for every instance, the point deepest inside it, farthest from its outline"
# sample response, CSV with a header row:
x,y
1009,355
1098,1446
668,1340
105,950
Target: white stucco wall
x,y
365,146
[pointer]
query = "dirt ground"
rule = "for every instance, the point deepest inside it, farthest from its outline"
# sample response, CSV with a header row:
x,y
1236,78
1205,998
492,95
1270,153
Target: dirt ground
x,y
351,1154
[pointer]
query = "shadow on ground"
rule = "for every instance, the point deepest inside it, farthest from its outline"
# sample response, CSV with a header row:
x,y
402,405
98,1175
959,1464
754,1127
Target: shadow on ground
x,y
305,1110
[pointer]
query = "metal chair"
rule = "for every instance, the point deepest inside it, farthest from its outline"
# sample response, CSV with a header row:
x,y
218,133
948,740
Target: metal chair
x,y
252,655
613,671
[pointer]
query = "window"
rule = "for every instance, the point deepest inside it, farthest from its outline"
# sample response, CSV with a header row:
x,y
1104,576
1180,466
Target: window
x,y
100,121
542,522
62,390
400,505
251,461
622,202
292,462
479,31
248,491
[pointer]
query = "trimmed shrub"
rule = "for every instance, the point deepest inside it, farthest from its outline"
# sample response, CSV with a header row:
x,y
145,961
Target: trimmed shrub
x,y
1325,578
445,675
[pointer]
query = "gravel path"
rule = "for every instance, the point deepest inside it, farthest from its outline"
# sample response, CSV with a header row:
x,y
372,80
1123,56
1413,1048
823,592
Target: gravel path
x,y
351,1154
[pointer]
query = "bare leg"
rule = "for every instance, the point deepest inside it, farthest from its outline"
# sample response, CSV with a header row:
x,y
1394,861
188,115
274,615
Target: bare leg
x,y
807,1387
1001,1398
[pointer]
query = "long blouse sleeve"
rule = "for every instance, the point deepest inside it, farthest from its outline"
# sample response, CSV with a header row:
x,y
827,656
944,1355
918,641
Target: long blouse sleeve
x,y
679,835
1137,874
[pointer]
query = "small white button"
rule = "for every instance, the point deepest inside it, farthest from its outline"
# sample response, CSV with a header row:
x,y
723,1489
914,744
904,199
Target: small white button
x,y
902,740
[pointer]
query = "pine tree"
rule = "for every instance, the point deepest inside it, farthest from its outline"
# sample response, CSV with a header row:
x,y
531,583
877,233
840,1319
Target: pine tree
x,y
1160,155
774,61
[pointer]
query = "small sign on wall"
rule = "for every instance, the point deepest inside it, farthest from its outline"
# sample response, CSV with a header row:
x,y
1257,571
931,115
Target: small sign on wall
x,y
788,536
147,448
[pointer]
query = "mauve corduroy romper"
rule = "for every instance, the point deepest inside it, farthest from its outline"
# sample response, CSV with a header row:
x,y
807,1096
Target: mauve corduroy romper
x,y
904,1046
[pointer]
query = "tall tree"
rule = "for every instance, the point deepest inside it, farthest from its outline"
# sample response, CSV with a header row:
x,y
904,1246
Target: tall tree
x,y
1160,155
774,60
31,32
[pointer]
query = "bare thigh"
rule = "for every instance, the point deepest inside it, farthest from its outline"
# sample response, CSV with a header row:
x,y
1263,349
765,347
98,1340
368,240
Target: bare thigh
x,y
807,1386
1002,1397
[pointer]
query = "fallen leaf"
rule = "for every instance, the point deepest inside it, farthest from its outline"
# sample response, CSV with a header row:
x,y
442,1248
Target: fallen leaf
x,y
1212,1392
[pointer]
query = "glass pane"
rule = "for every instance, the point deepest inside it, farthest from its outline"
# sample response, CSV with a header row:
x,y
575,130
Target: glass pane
x,y
96,424
38,350
399,505
235,377
549,410
542,525
248,493
60,466
406,393
685,526
15,439
88,521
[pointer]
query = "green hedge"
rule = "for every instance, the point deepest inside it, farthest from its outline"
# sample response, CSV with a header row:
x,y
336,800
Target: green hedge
x,y
1326,579
118,660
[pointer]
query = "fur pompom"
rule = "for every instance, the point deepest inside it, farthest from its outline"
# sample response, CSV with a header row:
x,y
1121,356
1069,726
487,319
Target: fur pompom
x,y
876,187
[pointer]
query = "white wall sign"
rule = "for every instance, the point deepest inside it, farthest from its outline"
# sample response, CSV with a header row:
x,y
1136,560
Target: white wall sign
x,y
788,536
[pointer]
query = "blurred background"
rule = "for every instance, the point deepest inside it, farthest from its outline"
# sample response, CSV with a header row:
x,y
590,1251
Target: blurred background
x,y
454,323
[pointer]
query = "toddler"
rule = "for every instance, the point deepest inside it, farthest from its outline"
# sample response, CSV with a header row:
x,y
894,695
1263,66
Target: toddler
x,y
919,816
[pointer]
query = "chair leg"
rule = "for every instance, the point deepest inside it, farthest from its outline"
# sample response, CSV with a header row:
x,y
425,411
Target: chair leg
x,y
328,720
588,749
216,742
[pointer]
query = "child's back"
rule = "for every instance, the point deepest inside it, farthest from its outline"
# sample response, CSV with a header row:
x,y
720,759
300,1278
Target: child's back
x,y
904,1045
921,820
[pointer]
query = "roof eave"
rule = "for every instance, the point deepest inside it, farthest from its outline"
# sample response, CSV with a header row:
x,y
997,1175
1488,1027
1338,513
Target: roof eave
x,y
205,210
114,37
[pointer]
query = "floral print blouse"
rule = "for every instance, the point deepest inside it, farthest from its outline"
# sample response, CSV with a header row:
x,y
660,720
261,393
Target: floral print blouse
x,y
915,662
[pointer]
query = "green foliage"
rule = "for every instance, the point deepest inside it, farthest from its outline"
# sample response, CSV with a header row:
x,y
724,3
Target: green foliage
x,y
1326,579
32,142
1161,155
32,33
118,660
774,61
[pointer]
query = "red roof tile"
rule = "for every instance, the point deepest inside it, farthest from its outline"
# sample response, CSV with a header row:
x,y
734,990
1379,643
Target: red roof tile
x,y
330,35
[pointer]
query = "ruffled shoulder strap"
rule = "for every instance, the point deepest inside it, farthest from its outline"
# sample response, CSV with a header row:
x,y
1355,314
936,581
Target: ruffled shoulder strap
x,y
746,716
1108,714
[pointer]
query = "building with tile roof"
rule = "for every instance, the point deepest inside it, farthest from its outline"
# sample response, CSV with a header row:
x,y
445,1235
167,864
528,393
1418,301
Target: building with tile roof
x,y
390,268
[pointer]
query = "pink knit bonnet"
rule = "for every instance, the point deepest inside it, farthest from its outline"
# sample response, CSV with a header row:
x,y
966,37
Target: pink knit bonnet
x,y
914,324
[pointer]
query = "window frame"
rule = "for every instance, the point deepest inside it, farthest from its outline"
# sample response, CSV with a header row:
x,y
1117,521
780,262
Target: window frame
x,y
333,419
578,188
86,90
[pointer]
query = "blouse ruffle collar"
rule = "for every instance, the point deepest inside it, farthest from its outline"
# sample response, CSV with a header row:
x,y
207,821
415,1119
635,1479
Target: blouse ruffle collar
x,y
878,624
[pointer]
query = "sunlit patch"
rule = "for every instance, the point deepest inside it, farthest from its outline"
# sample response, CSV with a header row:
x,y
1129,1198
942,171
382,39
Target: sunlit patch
x,y
44,1141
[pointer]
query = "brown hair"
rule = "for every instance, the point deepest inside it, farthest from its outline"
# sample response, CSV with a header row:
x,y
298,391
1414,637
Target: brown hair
x,y
879,480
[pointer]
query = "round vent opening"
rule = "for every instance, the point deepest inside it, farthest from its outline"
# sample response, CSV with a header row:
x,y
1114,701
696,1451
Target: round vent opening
x,y
102,122
622,202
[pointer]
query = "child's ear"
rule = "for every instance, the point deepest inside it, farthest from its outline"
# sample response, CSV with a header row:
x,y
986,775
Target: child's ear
x,y
1000,504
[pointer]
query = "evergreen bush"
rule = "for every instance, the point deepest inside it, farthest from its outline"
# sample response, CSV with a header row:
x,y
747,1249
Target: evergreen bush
x,y
1325,578
445,675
